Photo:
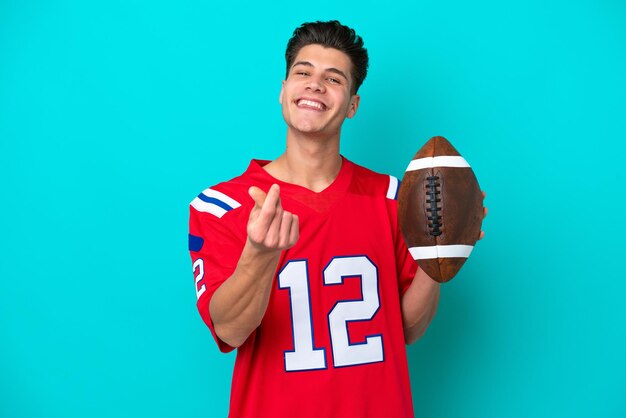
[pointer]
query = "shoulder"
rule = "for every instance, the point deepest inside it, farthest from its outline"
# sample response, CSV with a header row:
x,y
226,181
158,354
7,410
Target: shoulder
x,y
375,183
218,216
228,199
222,198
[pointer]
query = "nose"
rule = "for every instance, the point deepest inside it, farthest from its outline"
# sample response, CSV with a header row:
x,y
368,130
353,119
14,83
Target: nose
x,y
315,84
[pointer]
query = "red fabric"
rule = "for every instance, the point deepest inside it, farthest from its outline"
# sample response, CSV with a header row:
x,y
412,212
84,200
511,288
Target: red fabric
x,y
351,221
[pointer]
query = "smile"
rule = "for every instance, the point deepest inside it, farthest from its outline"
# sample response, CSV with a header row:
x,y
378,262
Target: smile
x,y
311,104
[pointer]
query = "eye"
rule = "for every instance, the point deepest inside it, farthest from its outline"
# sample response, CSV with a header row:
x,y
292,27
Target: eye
x,y
334,80
302,73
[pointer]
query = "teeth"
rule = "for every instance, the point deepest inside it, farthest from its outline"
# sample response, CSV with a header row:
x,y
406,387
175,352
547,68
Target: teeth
x,y
311,103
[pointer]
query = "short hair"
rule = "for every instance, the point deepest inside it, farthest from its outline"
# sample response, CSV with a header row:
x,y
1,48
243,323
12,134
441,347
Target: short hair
x,y
331,34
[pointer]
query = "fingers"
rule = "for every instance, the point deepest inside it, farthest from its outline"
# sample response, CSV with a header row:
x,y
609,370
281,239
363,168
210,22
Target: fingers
x,y
270,227
272,236
272,197
257,195
266,207
485,211
288,234
484,208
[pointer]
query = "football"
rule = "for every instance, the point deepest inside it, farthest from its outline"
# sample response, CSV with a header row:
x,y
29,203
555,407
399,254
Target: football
x,y
440,209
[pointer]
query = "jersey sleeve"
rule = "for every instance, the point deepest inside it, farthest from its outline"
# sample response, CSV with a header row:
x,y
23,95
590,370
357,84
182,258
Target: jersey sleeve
x,y
406,265
216,240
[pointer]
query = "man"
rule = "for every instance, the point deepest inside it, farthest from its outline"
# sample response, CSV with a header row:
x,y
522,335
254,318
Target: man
x,y
299,262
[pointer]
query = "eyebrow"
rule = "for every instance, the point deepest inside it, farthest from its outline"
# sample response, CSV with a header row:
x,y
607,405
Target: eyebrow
x,y
331,69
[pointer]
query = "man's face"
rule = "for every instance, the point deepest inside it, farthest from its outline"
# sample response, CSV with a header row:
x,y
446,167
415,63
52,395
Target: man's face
x,y
316,96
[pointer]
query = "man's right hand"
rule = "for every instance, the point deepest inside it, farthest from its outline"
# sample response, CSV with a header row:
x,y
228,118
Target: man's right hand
x,y
238,305
270,227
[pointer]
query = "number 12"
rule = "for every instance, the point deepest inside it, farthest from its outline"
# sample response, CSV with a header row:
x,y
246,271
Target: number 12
x,y
304,356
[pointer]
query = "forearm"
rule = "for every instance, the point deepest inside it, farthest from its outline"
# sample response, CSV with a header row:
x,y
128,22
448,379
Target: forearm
x,y
239,304
419,304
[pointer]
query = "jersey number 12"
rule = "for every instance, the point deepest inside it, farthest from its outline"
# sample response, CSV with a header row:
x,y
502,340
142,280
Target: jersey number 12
x,y
304,356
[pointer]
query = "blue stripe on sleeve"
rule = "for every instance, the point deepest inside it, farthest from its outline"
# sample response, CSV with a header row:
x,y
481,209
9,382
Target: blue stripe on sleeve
x,y
214,201
195,243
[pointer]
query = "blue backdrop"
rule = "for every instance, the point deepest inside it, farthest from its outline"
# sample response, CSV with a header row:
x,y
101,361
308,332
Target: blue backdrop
x,y
115,114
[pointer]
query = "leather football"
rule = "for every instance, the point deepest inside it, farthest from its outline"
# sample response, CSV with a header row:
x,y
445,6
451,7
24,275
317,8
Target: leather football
x,y
440,209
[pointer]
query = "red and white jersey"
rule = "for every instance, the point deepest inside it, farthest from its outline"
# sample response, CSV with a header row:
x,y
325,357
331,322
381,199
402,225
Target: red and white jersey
x,y
331,343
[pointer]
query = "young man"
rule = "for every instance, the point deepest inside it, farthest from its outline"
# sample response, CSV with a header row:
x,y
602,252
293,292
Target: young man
x,y
299,262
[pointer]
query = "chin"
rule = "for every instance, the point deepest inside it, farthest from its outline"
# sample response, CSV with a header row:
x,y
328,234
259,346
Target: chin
x,y
308,128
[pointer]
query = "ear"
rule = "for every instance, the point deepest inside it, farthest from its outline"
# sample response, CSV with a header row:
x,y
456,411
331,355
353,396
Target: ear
x,y
282,92
354,105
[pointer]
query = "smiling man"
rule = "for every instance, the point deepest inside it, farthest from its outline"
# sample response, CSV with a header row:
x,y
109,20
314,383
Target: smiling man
x,y
299,263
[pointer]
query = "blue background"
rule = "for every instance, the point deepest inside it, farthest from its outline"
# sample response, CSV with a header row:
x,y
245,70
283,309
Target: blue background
x,y
115,114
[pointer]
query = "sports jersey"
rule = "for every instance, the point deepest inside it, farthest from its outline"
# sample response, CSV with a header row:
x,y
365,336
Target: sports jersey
x,y
331,343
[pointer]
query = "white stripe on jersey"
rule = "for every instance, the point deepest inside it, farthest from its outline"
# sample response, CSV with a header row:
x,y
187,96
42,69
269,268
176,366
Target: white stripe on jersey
x,y
214,202
213,209
392,191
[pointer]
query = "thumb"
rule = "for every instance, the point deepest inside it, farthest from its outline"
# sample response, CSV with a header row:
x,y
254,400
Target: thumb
x,y
257,195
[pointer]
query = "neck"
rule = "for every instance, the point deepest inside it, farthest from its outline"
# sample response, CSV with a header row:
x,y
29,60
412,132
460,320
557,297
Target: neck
x,y
308,161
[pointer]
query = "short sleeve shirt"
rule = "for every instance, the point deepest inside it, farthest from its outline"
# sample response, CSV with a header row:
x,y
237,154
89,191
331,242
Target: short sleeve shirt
x,y
331,343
